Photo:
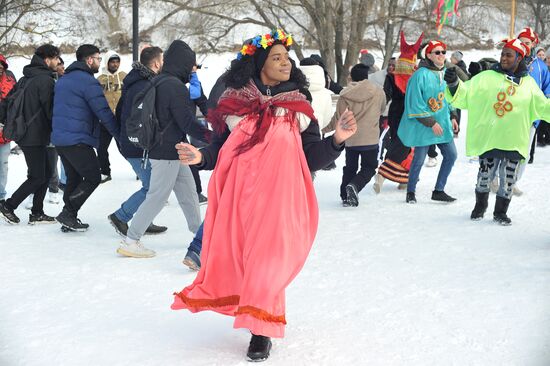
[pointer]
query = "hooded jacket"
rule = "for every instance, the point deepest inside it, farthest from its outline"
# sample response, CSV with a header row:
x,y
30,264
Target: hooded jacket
x,y
367,101
321,97
137,80
37,103
175,110
79,107
111,83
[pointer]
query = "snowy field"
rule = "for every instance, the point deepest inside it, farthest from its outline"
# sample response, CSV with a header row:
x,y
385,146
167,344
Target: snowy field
x,y
386,283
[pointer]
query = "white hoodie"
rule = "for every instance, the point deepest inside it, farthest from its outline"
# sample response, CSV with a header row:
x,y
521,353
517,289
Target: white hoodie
x,y
322,101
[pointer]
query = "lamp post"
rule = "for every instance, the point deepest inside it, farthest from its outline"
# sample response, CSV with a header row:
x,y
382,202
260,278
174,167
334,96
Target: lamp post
x,y
135,29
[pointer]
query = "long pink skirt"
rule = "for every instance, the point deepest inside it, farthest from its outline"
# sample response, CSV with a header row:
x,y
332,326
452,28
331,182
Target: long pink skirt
x,y
260,225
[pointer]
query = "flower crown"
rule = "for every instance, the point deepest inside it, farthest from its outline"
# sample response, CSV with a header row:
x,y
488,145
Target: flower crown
x,y
264,42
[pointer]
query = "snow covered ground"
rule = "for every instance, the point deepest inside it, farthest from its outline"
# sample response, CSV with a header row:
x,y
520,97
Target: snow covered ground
x,y
386,283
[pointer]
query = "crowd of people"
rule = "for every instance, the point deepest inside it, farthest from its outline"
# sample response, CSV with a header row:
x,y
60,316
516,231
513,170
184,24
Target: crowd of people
x,y
270,128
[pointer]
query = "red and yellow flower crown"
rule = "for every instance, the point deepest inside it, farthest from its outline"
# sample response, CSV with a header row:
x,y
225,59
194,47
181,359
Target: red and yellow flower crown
x,y
264,42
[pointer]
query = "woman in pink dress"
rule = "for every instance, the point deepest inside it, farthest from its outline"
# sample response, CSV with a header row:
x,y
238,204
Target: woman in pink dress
x,y
262,211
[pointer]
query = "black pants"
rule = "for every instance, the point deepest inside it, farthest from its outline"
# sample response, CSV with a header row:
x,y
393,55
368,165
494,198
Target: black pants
x,y
102,151
39,172
543,133
197,178
369,163
83,175
431,152
53,184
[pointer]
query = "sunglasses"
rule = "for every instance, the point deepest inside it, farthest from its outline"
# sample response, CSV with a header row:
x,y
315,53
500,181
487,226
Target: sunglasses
x,y
439,52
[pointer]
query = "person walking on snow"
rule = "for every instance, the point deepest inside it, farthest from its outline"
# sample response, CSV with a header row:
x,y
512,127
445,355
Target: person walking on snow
x,y
501,104
427,120
38,83
262,212
111,80
367,101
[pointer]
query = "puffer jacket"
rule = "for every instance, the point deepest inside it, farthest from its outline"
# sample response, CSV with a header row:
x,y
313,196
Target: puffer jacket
x,y
79,107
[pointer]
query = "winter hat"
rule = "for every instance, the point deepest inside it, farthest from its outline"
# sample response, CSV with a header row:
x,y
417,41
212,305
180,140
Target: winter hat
x,y
114,56
366,58
359,72
319,60
457,55
431,45
3,62
530,34
538,49
516,45
475,68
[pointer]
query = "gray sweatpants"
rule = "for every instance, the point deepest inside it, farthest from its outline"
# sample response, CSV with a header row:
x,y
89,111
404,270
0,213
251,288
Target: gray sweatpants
x,y
167,176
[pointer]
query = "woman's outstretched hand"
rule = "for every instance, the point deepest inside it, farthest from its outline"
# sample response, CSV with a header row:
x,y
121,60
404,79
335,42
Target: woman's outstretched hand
x,y
188,154
346,126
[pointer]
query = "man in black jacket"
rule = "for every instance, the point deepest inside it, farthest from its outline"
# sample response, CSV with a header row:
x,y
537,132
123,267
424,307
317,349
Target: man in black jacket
x,y
149,66
176,117
38,79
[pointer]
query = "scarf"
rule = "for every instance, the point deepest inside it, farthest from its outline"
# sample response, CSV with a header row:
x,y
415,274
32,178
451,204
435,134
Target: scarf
x,y
250,101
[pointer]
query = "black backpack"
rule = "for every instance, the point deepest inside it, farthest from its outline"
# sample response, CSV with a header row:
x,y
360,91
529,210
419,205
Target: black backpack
x,y
15,126
142,126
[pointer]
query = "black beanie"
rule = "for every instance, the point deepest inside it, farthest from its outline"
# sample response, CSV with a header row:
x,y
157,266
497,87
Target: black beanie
x,y
359,72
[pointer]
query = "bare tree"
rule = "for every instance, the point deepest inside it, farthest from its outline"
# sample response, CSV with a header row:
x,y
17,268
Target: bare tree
x,y
16,21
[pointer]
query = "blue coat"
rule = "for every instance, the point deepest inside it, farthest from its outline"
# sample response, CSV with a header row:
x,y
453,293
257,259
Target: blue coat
x,y
539,71
78,108
425,86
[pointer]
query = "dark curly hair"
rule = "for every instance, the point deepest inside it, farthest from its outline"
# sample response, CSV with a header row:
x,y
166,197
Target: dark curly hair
x,y
241,71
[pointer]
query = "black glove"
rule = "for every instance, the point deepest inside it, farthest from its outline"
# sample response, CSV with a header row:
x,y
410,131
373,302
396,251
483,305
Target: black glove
x,y
450,77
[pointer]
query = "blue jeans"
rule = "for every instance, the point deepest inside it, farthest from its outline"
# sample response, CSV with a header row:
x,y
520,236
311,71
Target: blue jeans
x,y
196,244
448,151
129,208
4,155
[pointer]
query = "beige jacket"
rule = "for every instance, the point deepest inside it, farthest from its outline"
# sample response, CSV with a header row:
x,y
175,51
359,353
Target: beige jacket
x,y
367,101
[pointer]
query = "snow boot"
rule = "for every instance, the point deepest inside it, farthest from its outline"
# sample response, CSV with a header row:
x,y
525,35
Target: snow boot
x,y
259,348
353,197
441,196
482,202
411,197
499,215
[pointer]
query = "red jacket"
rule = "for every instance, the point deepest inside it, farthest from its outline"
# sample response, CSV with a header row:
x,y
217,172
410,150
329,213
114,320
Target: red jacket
x,y
6,84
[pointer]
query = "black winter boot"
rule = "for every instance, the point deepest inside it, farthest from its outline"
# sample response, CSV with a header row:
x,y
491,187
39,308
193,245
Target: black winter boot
x,y
482,202
259,348
501,207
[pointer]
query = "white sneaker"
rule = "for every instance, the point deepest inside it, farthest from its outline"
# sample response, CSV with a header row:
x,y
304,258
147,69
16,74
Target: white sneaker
x,y
134,249
516,191
431,162
28,202
378,182
402,186
53,197
493,186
